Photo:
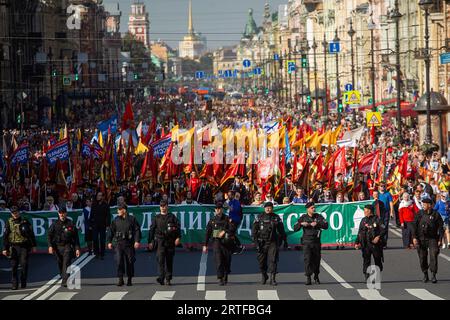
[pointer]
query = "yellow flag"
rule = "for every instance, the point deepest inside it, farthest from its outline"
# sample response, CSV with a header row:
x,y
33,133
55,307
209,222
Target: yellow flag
x,y
335,134
141,148
292,135
273,140
282,135
100,139
312,140
326,138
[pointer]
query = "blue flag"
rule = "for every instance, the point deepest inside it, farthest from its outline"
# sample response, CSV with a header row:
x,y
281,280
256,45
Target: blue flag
x,y
59,151
20,155
105,125
287,148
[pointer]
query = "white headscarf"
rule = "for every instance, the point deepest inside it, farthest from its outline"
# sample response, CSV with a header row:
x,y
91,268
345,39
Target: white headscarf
x,y
405,203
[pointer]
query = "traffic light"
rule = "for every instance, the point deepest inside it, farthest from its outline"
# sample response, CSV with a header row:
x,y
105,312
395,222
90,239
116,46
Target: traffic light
x,y
308,99
370,100
304,61
135,76
77,77
54,73
267,90
340,107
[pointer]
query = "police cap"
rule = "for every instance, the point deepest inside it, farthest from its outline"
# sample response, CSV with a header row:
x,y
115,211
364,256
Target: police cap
x,y
14,209
369,206
163,203
62,210
309,204
122,207
268,204
219,205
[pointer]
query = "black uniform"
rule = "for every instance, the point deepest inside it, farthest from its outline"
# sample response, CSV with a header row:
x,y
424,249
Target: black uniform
x,y
205,195
311,241
268,234
18,239
125,232
100,219
428,230
369,228
223,247
63,238
165,229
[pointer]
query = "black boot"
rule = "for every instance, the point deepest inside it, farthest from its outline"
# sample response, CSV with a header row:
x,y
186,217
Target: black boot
x,y
308,281
160,281
23,285
129,283
14,286
225,279
264,278
120,282
316,279
168,283
273,281
433,278
221,282
425,277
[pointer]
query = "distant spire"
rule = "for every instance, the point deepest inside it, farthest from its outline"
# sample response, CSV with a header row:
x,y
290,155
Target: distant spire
x,y
267,10
191,23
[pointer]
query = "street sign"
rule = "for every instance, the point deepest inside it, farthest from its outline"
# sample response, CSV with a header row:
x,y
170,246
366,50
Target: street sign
x,y
246,63
257,71
228,74
445,58
67,81
276,57
348,87
352,97
290,66
335,47
373,119
199,75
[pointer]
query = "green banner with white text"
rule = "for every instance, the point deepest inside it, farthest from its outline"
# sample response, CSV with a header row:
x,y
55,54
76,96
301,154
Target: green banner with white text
x,y
343,220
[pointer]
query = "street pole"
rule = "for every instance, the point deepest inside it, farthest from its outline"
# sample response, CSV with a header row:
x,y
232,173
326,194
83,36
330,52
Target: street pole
x,y
290,79
50,57
325,100
372,45
351,33
395,16
295,78
316,95
309,77
338,84
302,85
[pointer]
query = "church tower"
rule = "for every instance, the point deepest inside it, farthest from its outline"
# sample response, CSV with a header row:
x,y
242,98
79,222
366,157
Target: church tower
x,y
139,23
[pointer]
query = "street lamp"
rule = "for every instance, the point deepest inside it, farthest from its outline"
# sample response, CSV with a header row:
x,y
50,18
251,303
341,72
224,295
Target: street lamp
x,y
314,47
325,103
395,17
351,33
426,5
372,69
338,85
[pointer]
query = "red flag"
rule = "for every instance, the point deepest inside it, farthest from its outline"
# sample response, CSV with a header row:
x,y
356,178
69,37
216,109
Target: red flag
x,y
233,170
128,117
372,135
367,163
148,169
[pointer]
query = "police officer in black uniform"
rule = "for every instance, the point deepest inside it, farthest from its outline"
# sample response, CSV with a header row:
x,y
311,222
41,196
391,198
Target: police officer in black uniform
x,y
370,239
268,234
125,232
427,233
165,235
63,242
312,224
18,241
222,232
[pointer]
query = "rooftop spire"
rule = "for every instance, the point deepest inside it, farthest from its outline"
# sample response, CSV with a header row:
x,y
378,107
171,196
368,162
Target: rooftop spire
x,y
191,23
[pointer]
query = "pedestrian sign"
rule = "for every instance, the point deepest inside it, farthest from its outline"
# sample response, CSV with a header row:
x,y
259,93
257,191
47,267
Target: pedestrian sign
x,y
290,66
257,71
228,74
352,97
373,119
246,63
348,87
335,47
199,75
276,57
67,81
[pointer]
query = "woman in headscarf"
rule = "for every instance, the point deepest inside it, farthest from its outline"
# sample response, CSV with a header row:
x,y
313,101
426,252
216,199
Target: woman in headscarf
x,y
407,215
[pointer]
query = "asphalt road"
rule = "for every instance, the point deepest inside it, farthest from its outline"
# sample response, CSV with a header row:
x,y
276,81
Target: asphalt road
x,y
194,278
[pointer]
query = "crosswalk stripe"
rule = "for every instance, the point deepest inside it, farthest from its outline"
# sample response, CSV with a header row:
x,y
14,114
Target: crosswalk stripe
x,y
163,295
320,295
423,294
335,275
64,296
114,295
268,295
202,272
371,294
43,288
15,297
51,291
216,295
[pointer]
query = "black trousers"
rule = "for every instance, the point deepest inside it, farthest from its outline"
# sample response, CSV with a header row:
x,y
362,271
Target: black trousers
x,y
372,250
64,255
222,258
431,246
125,257
99,239
19,255
407,233
268,257
312,256
164,255
237,242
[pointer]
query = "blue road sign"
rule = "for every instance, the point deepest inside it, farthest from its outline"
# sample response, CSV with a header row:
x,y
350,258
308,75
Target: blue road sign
x,y
291,68
235,73
335,47
246,63
333,104
445,58
199,74
276,57
348,87
228,74
257,71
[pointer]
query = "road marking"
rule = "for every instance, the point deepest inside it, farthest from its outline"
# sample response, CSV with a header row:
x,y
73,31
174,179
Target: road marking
x,y
371,294
163,295
55,288
397,233
216,295
202,272
118,295
443,256
268,295
15,297
320,295
64,296
423,294
85,262
335,275
19,290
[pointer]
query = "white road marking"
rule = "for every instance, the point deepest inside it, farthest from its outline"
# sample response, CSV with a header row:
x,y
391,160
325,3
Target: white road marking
x,y
15,297
443,256
268,295
335,275
202,272
216,295
64,296
371,294
320,295
423,294
19,290
55,288
114,295
163,295
397,233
